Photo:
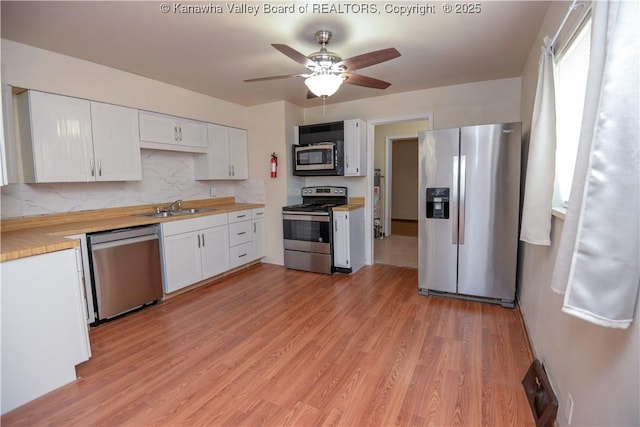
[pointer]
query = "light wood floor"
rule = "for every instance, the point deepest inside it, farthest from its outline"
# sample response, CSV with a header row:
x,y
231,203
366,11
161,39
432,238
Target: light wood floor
x,y
404,227
272,346
396,250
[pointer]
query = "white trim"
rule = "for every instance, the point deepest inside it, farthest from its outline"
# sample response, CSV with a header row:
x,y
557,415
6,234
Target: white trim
x,y
559,212
368,201
389,178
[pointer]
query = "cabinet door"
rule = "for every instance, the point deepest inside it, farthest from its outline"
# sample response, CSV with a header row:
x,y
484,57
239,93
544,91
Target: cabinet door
x,y
241,254
214,251
354,148
60,137
181,260
215,164
341,239
43,328
115,143
238,155
192,133
158,128
259,240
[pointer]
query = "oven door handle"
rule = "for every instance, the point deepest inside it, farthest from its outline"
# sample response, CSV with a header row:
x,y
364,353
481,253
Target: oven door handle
x,y
316,218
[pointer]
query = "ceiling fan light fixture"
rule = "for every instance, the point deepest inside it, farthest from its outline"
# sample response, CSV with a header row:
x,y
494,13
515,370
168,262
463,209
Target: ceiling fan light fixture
x,y
324,83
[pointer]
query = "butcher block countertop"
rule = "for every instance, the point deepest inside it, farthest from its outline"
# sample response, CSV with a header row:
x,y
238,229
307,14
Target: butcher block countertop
x,y
354,203
35,235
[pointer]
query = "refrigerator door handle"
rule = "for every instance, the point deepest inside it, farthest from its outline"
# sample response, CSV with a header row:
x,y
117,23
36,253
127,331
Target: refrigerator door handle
x,y
454,201
463,196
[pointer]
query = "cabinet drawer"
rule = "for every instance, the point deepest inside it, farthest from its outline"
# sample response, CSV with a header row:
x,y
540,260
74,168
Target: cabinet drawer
x,y
239,215
187,225
240,232
240,254
257,213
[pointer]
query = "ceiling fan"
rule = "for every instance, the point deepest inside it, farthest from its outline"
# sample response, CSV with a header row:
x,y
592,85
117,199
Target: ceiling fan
x,y
328,70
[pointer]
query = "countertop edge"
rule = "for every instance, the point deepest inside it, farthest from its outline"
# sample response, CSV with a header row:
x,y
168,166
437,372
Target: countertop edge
x,y
38,240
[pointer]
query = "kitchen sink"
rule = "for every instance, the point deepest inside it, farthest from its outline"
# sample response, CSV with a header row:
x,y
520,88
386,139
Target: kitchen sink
x,y
166,214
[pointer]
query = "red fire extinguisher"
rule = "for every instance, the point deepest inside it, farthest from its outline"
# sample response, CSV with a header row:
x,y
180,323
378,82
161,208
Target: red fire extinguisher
x,y
274,165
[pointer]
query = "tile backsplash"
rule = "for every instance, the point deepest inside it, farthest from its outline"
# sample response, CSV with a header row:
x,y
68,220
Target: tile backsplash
x,y
166,176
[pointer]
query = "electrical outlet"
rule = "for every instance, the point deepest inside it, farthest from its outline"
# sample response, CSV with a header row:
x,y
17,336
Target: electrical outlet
x,y
568,412
212,191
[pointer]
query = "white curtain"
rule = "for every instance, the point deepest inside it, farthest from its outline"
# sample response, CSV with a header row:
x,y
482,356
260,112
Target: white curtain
x,y
538,193
598,262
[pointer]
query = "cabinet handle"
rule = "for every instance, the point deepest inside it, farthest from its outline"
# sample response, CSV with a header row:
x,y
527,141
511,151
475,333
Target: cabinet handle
x,y
198,240
93,169
241,233
229,168
99,167
254,227
240,216
180,133
240,256
175,133
335,226
203,240
233,171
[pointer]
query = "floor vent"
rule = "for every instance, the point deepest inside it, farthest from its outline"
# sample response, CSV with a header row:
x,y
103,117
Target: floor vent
x,y
540,395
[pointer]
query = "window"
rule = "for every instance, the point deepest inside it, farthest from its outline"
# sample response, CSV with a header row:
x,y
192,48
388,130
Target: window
x,y
570,84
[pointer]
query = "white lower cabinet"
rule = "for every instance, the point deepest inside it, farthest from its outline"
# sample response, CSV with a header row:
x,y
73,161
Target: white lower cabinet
x,y
44,331
348,240
194,250
259,240
240,238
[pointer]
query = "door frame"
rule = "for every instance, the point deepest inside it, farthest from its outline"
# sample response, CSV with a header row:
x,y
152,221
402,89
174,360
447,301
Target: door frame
x,y
368,205
388,182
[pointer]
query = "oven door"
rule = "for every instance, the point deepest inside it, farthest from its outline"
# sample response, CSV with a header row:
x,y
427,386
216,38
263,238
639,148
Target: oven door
x,y
307,232
317,159
307,242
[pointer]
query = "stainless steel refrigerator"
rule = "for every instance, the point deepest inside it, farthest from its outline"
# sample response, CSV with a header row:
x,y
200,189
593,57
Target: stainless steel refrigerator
x,y
468,212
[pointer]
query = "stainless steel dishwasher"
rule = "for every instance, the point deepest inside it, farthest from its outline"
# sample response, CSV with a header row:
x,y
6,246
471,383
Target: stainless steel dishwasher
x,y
125,270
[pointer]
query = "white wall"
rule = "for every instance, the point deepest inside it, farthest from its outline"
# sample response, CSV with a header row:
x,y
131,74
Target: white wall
x,y
493,101
599,367
32,68
271,130
167,176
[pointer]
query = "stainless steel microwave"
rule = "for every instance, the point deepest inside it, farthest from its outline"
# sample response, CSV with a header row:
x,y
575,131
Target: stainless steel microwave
x,y
319,159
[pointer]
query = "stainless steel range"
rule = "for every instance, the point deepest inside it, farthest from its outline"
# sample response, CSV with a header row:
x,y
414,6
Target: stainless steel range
x,y
308,234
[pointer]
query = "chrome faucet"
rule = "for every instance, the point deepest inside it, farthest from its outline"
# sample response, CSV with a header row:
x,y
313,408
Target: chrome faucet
x,y
172,206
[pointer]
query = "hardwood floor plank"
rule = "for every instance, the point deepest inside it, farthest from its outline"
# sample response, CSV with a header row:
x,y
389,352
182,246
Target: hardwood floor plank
x,y
272,346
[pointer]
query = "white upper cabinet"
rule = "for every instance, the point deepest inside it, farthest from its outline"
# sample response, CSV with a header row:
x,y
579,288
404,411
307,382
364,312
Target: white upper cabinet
x,y
238,154
226,157
355,148
56,138
161,131
66,139
115,143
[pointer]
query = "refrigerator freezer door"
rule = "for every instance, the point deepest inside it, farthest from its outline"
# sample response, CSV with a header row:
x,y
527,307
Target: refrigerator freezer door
x,y
437,250
489,238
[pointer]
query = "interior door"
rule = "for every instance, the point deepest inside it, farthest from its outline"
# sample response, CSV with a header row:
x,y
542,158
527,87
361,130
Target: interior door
x,y
437,250
489,199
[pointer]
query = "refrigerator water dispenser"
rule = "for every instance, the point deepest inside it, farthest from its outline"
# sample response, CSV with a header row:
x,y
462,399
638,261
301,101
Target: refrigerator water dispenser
x,y
438,203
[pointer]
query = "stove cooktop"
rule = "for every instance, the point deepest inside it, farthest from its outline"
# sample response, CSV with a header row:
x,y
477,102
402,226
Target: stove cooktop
x,y
319,199
311,207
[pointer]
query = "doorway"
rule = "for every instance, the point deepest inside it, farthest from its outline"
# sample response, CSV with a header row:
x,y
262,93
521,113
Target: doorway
x,y
396,161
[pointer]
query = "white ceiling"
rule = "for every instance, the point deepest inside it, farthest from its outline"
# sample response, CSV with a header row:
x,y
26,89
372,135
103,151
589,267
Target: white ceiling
x,y
212,53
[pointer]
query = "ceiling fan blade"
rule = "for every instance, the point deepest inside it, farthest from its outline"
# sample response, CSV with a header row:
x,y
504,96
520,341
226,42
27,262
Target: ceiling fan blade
x,y
311,95
286,76
369,59
293,54
360,80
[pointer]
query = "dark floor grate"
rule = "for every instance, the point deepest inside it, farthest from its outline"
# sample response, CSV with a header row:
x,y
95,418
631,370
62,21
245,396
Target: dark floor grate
x,y
542,399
